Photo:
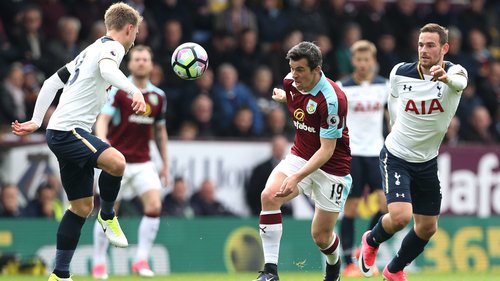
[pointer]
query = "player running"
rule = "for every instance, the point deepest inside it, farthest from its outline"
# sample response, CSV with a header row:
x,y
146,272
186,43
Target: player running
x,y
318,165
85,82
424,97
130,133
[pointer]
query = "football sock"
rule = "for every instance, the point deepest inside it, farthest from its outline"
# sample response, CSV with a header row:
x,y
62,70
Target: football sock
x,y
411,247
148,228
68,235
109,186
271,268
374,220
271,229
347,233
378,235
100,245
332,251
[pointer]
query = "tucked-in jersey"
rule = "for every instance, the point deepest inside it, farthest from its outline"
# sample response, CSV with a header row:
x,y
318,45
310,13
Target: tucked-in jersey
x,y
424,111
365,121
128,132
85,94
321,113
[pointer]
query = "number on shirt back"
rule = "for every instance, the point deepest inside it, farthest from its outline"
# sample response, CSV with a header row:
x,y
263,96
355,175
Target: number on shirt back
x,y
336,192
78,62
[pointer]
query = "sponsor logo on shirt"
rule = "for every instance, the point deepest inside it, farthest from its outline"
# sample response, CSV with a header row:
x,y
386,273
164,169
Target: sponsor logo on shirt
x,y
301,126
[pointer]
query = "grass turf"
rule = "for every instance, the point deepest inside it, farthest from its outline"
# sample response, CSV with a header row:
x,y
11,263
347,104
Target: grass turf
x,y
285,276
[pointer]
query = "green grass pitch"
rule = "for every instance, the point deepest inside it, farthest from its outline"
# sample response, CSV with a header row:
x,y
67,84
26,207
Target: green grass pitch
x,y
285,276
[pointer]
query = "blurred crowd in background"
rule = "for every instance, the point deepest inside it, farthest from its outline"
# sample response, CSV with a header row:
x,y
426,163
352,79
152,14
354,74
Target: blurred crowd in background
x,y
246,42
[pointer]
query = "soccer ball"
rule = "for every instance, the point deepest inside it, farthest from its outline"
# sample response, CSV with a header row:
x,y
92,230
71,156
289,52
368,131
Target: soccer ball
x,y
189,61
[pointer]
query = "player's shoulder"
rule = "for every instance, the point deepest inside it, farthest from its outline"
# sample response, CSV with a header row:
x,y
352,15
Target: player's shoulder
x,y
406,69
347,82
453,68
154,89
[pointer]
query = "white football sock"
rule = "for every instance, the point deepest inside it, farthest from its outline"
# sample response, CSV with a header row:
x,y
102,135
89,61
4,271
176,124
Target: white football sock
x,y
100,244
148,228
332,251
271,238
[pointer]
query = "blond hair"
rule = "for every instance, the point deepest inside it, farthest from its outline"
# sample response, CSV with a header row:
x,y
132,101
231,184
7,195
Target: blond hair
x,y
119,15
364,46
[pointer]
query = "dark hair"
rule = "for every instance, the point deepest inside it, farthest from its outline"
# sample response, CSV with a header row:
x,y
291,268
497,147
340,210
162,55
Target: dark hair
x,y
436,28
307,50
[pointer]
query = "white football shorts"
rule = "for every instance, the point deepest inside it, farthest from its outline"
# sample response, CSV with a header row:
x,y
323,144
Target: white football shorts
x,y
137,179
328,192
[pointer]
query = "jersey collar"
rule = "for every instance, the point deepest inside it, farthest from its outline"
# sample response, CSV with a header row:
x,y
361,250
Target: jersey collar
x,y
322,80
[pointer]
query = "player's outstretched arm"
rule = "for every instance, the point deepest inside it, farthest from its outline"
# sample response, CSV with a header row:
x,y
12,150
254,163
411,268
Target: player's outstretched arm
x,y
23,129
279,95
113,75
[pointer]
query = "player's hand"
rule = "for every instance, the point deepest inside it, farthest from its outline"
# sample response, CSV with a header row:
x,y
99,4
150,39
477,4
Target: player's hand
x,y
288,187
439,74
138,103
279,95
23,129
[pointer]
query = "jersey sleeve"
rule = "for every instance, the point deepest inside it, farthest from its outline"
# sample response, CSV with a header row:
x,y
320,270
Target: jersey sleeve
x,y
457,77
333,116
392,81
112,50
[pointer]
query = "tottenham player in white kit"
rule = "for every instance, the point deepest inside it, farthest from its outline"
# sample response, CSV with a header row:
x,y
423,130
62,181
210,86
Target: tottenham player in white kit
x,y
367,95
130,134
424,97
318,165
85,82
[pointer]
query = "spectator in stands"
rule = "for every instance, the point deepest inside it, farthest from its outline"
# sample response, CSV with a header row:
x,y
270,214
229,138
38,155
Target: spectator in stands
x,y
33,79
204,202
489,89
66,47
202,117
229,95
387,56
201,86
176,203
274,59
221,48
8,52
337,14
452,136
235,19
307,18
42,206
456,53
474,16
478,53
241,126
147,36
482,127
324,43
97,30
53,11
442,14
262,87
89,12
248,54
30,40
277,123
188,131
12,105
352,33
9,201
260,173
273,22
372,19
403,17
469,101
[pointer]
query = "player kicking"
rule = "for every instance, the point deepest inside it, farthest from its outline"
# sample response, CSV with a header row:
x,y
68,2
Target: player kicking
x,y
424,97
130,134
85,81
318,165
367,95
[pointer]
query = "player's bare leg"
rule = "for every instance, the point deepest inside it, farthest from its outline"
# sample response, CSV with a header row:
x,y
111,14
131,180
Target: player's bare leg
x,y
148,228
328,241
271,224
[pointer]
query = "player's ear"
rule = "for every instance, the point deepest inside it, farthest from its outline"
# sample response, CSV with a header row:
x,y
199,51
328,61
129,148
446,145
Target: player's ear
x,y
445,48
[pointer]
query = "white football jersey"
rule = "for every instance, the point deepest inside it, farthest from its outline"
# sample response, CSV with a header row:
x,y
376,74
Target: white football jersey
x,y
85,92
425,109
365,116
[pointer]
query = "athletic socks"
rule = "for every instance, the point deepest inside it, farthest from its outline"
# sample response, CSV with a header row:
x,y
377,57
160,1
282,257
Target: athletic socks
x,y
332,251
109,186
148,228
411,247
347,234
378,235
68,235
271,229
101,244
374,220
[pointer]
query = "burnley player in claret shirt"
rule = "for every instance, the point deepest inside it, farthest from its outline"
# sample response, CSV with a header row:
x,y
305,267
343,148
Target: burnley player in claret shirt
x,y
318,165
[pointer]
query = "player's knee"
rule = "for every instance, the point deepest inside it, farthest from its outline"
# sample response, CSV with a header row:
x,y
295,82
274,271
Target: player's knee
x,y
426,231
83,210
400,221
118,166
321,238
267,198
152,209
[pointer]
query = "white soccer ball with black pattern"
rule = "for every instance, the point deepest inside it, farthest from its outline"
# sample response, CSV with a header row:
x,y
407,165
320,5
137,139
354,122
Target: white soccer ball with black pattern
x,y
189,61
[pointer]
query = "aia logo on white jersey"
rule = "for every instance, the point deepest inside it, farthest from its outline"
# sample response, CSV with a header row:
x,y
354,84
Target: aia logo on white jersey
x,y
423,107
